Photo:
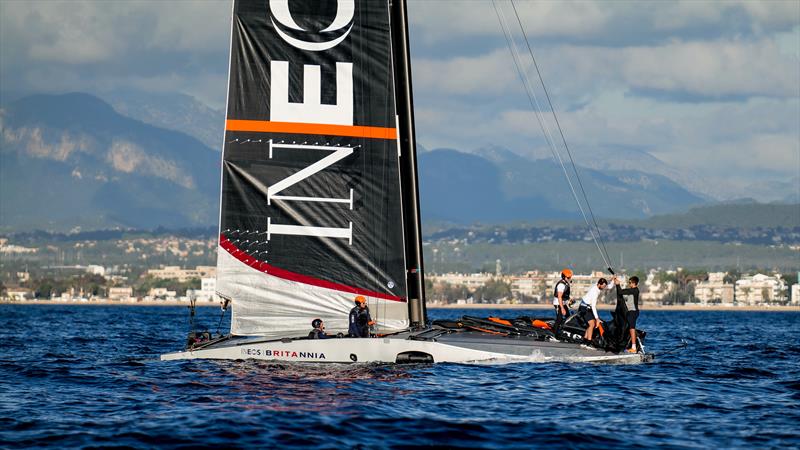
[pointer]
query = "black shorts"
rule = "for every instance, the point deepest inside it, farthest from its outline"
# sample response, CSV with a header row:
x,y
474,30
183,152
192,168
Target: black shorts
x,y
632,316
587,313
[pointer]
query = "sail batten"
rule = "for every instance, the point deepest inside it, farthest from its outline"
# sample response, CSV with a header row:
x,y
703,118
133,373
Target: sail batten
x,y
311,211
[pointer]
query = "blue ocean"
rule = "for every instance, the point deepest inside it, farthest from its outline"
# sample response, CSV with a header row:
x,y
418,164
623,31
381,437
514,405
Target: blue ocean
x,y
89,377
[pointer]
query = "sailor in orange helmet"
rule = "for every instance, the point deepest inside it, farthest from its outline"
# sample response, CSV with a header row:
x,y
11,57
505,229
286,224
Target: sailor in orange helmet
x,y
360,319
561,299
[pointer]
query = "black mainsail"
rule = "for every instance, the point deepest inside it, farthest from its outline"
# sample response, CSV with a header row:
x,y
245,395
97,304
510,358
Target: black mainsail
x,y
311,209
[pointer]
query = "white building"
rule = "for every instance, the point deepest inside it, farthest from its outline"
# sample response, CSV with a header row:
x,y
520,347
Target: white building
x,y
759,289
176,273
714,290
540,285
654,291
470,280
120,294
15,249
161,294
207,291
795,294
532,284
18,294
96,270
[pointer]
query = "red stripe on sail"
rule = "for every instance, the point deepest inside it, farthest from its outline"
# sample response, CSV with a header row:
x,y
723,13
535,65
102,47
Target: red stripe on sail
x,y
263,126
291,276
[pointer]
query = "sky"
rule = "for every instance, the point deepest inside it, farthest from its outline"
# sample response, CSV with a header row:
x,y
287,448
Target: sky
x,y
710,88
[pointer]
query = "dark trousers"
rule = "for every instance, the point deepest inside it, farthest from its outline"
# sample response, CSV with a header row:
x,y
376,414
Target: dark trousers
x,y
560,318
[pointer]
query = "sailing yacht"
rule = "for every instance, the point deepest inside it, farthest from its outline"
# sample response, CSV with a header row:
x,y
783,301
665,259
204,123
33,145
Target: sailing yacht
x,y
319,197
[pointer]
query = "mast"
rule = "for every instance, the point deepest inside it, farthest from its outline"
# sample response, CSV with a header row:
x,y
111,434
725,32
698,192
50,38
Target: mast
x,y
408,163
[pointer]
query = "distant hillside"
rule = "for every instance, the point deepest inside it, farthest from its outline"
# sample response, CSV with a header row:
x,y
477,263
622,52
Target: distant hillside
x,y
502,187
749,215
72,160
172,111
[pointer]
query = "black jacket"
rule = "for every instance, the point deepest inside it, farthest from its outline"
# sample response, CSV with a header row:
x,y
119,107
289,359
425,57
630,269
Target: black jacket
x,y
623,295
318,334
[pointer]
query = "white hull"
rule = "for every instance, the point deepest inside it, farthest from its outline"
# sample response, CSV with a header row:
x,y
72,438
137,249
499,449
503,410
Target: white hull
x,y
391,349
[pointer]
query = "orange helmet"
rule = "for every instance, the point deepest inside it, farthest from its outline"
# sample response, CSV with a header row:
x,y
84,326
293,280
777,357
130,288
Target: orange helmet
x,y
360,299
566,273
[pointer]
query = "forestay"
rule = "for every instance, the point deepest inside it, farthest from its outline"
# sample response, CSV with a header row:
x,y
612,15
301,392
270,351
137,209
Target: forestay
x,y
311,204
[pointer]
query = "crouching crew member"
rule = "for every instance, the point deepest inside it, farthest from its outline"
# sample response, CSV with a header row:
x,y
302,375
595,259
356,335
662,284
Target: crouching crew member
x,y
588,308
319,330
561,299
360,319
631,298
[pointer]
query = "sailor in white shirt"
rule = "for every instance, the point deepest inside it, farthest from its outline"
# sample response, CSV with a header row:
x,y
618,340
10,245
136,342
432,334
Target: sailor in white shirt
x,y
588,308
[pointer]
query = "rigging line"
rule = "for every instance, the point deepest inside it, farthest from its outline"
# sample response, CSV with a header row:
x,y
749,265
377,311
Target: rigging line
x,y
606,257
526,84
533,100
603,252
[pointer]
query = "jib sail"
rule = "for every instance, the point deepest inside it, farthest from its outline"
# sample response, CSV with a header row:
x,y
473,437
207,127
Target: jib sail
x,y
311,203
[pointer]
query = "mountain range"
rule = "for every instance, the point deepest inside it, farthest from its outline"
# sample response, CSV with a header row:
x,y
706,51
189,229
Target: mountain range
x,y
75,160
502,186
173,111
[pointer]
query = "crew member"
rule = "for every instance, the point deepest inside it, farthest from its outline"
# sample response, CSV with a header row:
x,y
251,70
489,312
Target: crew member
x,y
319,330
360,319
588,308
561,299
631,299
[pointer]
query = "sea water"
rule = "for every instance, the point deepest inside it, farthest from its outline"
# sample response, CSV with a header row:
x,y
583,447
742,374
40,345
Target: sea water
x,y
89,376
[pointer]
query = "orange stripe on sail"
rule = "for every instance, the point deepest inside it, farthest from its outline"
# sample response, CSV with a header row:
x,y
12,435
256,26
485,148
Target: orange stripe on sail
x,y
262,126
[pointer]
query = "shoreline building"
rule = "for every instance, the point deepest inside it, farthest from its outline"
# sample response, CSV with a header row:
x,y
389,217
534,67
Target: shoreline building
x,y
531,285
714,290
160,293
539,285
654,291
759,289
18,294
207,291
181,275
470,280
120,294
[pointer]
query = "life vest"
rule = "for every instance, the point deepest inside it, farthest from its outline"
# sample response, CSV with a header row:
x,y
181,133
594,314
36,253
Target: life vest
x,y
565,295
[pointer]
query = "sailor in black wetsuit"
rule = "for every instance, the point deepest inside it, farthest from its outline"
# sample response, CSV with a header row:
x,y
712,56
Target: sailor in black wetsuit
x,y
319,330
360,319
631,298
561,299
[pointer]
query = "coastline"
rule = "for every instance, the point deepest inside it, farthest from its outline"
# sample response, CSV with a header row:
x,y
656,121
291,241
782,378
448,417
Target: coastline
x,y
644,307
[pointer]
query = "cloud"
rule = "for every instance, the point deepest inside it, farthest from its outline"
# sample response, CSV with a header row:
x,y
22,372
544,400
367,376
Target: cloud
x,y
757,16
713,69
679,70
443,20
48,46
465,75
602,23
